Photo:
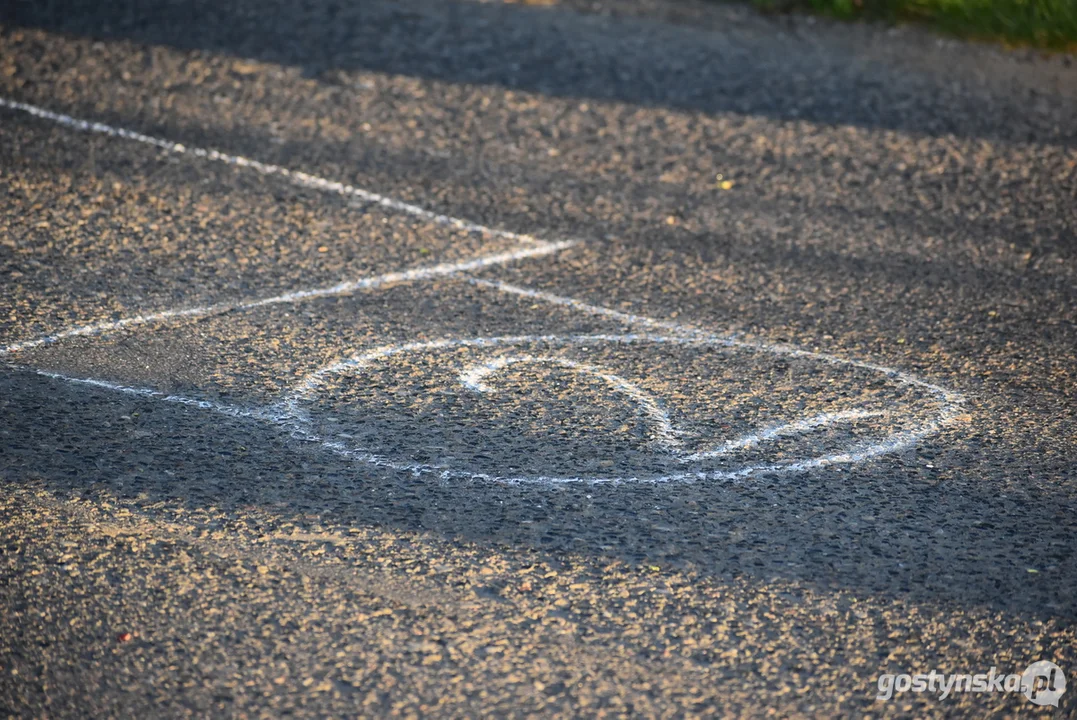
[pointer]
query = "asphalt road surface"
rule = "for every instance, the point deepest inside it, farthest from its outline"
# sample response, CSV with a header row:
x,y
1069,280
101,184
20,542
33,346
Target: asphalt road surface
x,y
598,359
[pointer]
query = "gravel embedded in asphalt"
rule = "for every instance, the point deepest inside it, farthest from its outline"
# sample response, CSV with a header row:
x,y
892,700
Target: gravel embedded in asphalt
x,y
387,539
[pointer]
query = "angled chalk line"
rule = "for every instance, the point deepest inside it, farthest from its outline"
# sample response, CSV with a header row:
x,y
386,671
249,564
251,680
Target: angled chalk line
x,y
291,416
344,288
296,177
530,246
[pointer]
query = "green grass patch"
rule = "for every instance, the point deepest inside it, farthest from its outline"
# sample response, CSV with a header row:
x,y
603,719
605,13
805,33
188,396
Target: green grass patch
x,y
1050,24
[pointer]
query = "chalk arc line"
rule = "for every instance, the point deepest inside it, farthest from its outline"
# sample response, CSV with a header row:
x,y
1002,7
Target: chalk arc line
x,y
799,427
949,397
665,433
298,419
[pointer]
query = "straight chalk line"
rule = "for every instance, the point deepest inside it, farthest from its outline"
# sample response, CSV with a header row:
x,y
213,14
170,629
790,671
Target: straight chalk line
x,y
340,289
296,177
290,415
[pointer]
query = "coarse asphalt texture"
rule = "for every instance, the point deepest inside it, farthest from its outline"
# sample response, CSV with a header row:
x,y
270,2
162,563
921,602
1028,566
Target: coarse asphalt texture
x,y
747,371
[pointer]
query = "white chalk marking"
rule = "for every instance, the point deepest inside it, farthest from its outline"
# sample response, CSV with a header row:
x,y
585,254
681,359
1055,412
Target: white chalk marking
x,y
344,288
785,429
147,393
532,247
948,397
626,318
295,177
665,434
289,416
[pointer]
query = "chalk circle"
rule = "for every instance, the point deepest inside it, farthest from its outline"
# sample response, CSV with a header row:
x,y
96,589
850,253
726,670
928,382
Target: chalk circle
x,y
455,388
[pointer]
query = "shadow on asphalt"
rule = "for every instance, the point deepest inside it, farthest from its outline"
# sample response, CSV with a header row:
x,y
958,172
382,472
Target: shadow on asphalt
x,y
557,52
962,534
889,529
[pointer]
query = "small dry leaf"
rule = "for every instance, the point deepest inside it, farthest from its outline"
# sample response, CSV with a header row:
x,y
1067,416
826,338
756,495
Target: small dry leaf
x,y
245,68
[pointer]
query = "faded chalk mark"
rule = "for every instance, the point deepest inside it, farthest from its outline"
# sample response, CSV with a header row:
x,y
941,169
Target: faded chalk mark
x,y
296,177
292,414
474,379
343,288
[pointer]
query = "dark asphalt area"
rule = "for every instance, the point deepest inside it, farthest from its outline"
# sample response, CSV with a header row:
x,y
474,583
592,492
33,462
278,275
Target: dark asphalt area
x,y
394,537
